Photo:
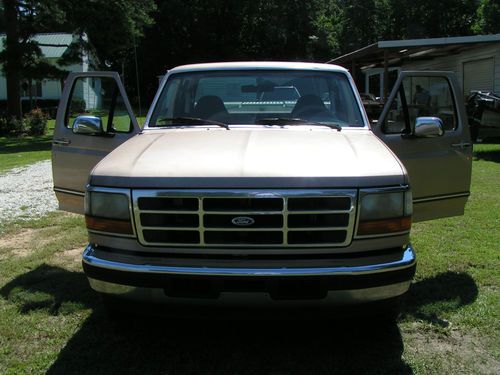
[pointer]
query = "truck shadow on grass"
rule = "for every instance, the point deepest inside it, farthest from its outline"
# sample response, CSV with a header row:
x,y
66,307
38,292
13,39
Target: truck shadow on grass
x,y
26,144
269,344
488,154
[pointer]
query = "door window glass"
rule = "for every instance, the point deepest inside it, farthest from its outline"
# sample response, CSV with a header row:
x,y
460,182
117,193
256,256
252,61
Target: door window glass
x,y
419,97
99,97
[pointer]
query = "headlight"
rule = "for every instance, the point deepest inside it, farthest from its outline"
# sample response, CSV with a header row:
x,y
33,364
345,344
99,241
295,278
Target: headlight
x,y
108,211
384,212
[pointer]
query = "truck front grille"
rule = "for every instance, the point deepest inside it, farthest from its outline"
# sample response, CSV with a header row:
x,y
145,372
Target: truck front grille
x,y
245,218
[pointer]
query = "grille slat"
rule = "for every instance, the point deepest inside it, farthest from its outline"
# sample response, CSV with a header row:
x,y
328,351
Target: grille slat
x,y
169,220
319,204
318,220
171,236
316,237
287,218
168,203
242,204
244,237
225,221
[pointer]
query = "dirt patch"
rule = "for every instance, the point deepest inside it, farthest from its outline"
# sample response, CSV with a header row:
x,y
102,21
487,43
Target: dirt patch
x,y
71,254
22,244
464,352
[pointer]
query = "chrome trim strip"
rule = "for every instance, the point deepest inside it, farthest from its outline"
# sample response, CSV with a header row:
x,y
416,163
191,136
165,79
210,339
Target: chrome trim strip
x,y
237,193
244,212
72,192
387,189
408,259
441,197
367,236
246,193
111,234
245,229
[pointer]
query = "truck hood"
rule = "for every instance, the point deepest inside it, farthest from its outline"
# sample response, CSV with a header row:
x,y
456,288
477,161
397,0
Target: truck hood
x,y
250,158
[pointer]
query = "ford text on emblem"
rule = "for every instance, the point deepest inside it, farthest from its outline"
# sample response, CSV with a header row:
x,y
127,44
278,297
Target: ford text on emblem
x,y
242,221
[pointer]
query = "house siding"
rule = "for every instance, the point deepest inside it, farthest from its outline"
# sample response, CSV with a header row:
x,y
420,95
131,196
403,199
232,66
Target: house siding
x,y
51,88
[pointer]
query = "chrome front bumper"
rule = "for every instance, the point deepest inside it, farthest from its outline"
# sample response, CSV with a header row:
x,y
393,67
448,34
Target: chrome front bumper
x,y
354,280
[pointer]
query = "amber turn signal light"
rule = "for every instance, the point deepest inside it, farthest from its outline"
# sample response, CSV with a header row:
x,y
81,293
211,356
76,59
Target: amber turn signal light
x,y
394,225
108,225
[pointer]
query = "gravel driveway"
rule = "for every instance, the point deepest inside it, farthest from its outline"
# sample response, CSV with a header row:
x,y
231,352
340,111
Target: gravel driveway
x,y
26,192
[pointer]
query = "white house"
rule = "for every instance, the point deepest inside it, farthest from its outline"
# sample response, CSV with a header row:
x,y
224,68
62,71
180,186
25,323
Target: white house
x,y
53,46
474,59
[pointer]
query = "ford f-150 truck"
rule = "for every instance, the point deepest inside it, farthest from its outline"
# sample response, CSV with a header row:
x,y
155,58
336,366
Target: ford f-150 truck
x,y
223,195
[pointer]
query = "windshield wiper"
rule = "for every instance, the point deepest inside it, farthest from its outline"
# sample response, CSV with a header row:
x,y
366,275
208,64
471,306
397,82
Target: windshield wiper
x,y
294,121
192,121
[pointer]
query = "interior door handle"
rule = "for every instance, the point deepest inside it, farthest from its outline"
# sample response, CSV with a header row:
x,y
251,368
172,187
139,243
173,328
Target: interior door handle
x,y
61,141
461,144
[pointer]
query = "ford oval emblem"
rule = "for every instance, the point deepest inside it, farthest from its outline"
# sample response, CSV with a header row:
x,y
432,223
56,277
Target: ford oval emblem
x,y
242,221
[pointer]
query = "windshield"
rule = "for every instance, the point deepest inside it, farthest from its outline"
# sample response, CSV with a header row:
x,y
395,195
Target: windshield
x,y
251,97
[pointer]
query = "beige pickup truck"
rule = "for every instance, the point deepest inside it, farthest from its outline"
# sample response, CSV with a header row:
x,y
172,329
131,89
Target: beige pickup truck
x,y
224,196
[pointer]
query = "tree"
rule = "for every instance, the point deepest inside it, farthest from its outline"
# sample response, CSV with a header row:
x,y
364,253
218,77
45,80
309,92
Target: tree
x,y
346,25
110,26
488,17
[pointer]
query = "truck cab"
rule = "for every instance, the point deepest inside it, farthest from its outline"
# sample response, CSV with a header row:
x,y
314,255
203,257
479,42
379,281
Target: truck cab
x,y
224,195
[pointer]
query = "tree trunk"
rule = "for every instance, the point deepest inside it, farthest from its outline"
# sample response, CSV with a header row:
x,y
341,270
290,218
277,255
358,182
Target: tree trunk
x,y
13,59
30,82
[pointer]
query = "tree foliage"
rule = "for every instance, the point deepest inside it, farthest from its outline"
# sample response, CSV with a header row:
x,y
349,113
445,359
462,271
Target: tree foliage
x,y
110,25
488,17
173,32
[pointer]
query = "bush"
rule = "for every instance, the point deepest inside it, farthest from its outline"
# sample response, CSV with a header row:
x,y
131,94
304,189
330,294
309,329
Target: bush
x,y
36,122
48,106
11,126
77,106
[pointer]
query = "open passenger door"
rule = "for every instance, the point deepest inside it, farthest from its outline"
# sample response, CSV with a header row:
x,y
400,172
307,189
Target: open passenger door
x,y
93,118
425,125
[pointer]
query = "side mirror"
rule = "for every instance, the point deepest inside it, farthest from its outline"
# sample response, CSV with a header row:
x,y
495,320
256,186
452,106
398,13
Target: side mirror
x,y
89,125
428,127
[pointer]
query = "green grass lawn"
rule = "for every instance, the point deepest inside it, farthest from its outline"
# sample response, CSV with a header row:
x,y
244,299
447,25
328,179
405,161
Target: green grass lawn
x,y
20,151
50,320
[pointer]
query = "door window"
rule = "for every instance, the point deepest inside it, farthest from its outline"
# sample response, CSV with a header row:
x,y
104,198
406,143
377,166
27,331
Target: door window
x,y
419,97
100,97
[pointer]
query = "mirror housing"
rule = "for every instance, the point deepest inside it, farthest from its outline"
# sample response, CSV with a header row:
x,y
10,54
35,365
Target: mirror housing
x,y
89,125
428,127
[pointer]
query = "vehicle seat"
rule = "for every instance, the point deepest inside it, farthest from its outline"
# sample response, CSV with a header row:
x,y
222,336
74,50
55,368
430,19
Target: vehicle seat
x,y
309,107
211,107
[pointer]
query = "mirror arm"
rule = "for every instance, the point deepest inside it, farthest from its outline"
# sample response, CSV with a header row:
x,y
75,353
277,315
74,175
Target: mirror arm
x,y
408,136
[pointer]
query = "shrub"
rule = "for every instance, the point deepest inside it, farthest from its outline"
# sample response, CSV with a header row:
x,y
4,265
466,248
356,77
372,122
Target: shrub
x,y
77,106
36,122
48,106
10,126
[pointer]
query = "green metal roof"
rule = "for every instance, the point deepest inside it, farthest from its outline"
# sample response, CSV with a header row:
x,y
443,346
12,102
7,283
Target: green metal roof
x,y
55,43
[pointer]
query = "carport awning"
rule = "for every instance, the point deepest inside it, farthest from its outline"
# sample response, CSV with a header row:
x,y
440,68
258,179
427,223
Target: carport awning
x,y
393,52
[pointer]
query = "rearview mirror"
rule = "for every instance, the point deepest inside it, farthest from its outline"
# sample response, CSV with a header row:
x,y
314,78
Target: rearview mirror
x,y
262,87
89,125
428,127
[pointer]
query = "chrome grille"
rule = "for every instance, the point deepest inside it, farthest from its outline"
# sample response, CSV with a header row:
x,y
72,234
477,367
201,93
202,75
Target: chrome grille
x,y
245,218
